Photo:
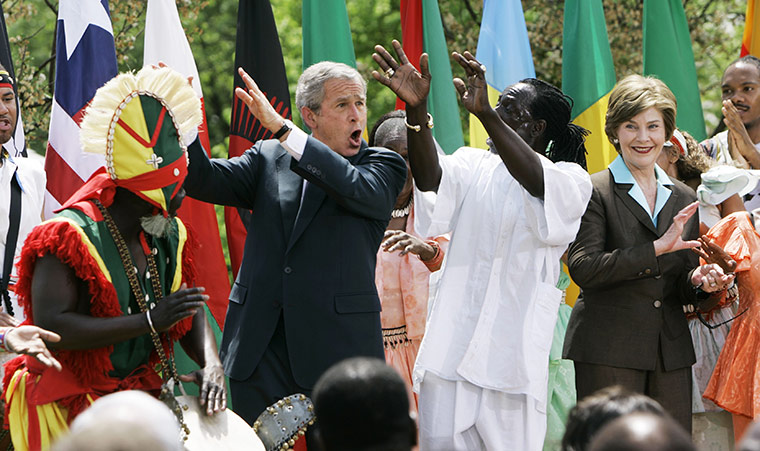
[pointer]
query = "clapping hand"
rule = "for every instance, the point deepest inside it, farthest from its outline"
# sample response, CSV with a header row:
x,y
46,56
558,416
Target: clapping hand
x,y
409,84
671,240
740,145
711,278
712,253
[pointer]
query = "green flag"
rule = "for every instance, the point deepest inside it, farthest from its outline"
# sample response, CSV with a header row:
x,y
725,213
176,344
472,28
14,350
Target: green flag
x,y
326,33
669,57
588,75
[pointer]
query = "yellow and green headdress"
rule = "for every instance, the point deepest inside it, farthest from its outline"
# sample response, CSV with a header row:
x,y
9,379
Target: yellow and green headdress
x,y
138,121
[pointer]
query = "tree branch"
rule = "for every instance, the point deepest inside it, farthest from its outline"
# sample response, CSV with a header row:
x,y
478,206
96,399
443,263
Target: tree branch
x,y
471,11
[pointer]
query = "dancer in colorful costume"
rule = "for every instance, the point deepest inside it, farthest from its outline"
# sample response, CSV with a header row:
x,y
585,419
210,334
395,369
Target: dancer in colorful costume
x,y
110,272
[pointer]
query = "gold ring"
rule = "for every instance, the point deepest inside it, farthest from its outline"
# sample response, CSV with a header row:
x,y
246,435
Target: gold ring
x,y
389,72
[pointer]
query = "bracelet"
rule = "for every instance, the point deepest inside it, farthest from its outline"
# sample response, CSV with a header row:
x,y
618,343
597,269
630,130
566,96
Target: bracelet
x,y
150,322
417,128
434,264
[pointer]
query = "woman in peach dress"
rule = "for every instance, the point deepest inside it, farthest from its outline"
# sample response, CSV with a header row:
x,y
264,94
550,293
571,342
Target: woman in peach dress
x,y
404,265
735,382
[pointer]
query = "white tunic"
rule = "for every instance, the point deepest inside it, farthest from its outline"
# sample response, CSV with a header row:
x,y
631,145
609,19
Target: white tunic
x,y
492,320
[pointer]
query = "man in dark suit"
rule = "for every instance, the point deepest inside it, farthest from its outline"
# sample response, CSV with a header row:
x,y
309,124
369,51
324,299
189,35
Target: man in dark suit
x,y
305,295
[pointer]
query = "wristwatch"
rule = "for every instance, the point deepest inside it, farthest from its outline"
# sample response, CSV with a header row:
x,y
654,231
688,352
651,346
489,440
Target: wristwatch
x,y
284,129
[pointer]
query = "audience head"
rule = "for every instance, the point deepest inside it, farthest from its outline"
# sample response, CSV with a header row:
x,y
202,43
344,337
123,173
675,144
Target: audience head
x,y
642,431
741,85
362,404
682,158
390,132
8,106
540,113
633,96
596,410
332,100
751,439
124,421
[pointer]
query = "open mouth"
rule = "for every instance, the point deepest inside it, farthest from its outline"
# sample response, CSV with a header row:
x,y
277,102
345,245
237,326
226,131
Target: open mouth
x,y
356,138
5,124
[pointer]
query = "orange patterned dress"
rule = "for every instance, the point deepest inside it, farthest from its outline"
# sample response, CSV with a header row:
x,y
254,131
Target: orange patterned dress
x,y
735,382
403,286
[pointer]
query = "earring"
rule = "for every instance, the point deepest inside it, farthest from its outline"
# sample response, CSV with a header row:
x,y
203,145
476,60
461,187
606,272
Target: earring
x,y
615,140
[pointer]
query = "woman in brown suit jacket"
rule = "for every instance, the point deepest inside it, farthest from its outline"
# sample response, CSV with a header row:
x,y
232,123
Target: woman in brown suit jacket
x,y
633,262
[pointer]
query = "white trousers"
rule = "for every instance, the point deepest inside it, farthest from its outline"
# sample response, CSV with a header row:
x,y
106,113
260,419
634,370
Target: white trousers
x,y
457,415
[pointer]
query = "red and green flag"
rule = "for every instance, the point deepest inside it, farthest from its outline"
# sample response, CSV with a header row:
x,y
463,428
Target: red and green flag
x,y
422,31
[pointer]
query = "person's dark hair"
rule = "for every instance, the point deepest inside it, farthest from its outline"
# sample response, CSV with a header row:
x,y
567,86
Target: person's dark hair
x,y
748,59
554,107
598,409
695,162
373,134
362,404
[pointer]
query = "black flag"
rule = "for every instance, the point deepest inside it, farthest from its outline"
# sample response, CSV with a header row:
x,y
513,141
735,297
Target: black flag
x,y
258,51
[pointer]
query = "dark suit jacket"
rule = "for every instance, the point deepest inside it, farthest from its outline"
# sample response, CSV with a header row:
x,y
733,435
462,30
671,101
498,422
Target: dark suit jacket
x,y
631,301
316,266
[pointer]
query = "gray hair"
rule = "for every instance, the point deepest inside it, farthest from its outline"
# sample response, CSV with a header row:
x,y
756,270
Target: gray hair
x,y
310,91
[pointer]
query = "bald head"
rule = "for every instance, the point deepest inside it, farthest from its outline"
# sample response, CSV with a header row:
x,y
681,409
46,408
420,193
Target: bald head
x,y
642,431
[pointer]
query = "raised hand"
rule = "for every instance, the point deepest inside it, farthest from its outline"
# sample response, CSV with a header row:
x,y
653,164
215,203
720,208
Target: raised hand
x,y
474,93
712,253
211,381
395,240
671,240
409,84
258,104
179,305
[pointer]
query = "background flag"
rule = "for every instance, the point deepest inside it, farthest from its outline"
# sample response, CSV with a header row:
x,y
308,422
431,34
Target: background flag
x,y
422,31
165,41
588,75
326,33
751,38
85,60
669,57
504,48
17,144
257,51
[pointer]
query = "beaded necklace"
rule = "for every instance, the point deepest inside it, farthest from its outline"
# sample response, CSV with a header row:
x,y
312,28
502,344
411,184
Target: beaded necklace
x,y
169,369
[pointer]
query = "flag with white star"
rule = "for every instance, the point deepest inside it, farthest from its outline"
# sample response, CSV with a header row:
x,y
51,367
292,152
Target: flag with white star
x,y
85,60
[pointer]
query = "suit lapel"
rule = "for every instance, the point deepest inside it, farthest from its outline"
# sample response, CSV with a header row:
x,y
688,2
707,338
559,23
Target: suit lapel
x,y
313,197
621,191
289,190
665,218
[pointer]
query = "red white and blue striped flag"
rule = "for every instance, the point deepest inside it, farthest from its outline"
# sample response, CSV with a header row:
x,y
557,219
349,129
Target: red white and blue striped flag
x,y
85,61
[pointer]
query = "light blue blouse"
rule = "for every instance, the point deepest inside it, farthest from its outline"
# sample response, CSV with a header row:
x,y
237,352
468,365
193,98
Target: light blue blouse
x,y
622,174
